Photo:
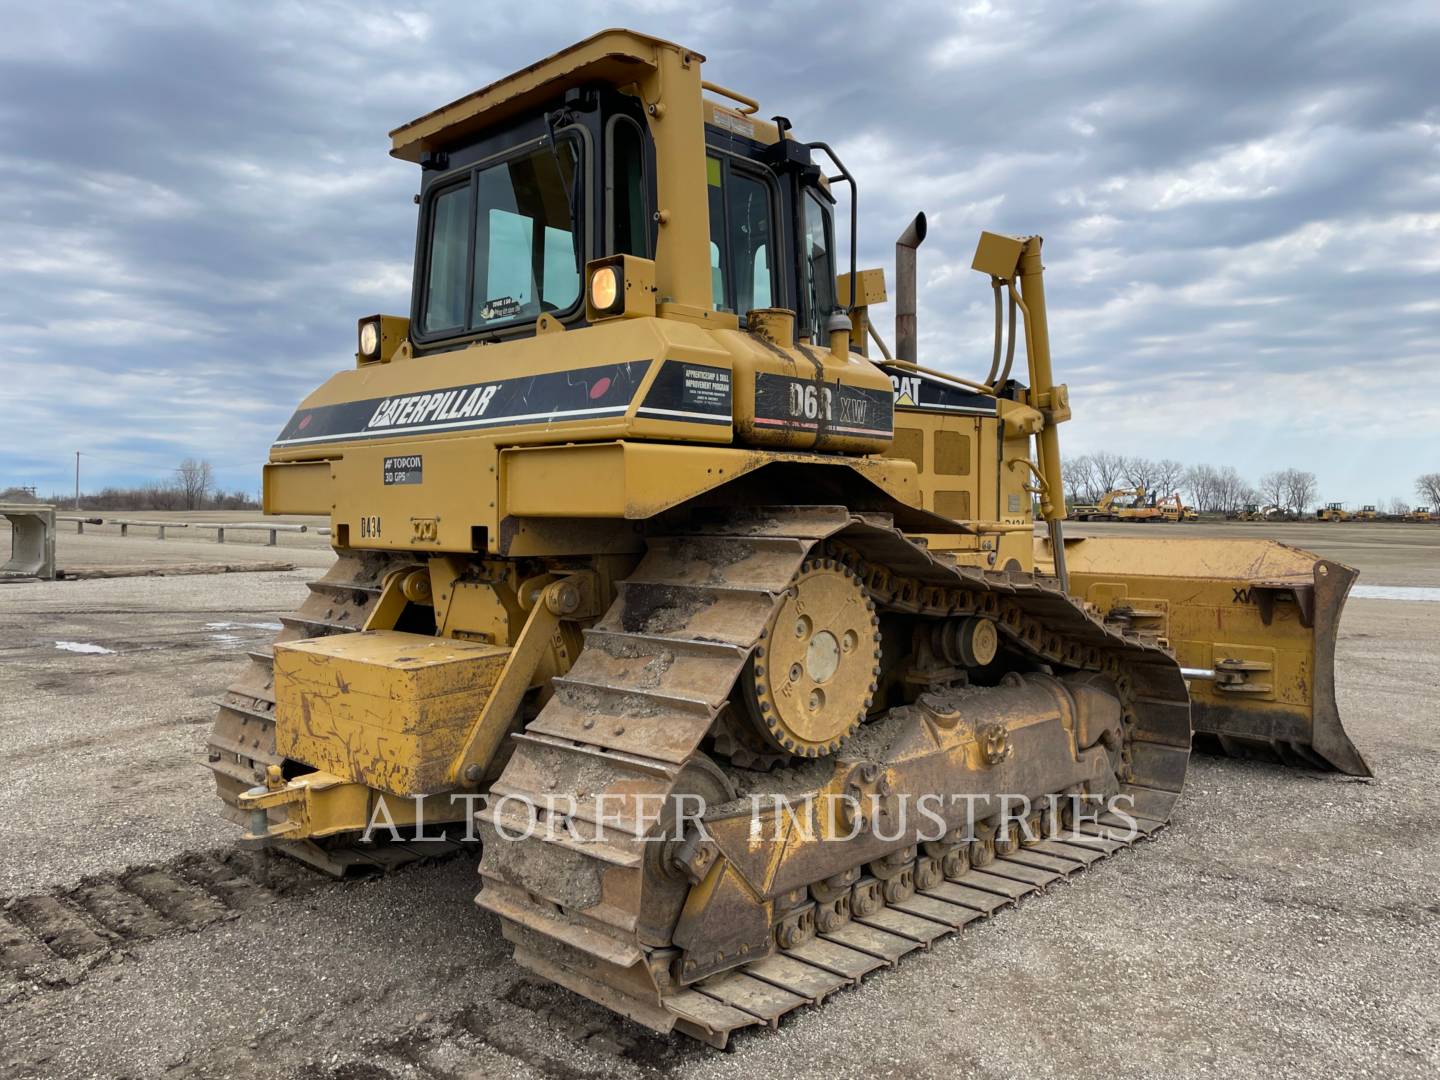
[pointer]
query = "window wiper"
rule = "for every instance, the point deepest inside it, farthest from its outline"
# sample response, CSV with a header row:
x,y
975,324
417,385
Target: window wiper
x,y
572,183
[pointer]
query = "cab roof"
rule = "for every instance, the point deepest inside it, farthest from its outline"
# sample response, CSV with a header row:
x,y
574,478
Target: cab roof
x,y
617,56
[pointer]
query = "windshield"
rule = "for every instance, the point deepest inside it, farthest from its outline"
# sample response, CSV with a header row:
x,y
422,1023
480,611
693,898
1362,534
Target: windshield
x,y
501,246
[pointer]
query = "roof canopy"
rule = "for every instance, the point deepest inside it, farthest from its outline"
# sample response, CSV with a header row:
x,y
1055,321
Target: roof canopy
x,y
618,57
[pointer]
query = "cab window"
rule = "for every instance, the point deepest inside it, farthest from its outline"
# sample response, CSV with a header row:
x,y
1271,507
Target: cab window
x,y
742,238
502,244
625,190
817,267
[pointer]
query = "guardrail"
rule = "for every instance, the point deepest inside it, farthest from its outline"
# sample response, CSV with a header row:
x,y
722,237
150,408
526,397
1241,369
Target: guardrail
x,y
220,527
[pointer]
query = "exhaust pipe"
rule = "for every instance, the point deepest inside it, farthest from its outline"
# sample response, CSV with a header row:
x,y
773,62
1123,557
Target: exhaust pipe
x,y
906,341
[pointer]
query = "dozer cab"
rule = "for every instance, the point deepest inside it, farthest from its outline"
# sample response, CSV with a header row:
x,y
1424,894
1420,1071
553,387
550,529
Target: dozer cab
x,y
650,569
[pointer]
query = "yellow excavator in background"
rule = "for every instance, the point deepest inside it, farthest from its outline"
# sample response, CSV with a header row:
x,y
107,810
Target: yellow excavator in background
x,y
647,563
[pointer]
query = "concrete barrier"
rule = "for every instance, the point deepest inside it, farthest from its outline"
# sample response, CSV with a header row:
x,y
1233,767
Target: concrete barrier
x,y
32,541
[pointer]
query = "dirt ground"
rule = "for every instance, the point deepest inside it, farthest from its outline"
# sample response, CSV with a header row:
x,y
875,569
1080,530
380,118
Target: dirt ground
x,y
1286,924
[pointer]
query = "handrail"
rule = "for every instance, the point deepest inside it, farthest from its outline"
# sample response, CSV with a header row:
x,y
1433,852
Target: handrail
x,y
749,105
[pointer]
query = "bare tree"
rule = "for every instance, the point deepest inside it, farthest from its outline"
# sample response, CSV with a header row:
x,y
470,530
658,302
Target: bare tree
x,y
1300,488
1274,487
1397,507
1233,491
1079,475
194,479
1427,488
1140,472
1168,475
1109,470
1203,484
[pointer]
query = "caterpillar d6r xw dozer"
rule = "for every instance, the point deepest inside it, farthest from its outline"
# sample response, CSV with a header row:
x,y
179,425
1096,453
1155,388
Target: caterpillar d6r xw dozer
x,y
735,642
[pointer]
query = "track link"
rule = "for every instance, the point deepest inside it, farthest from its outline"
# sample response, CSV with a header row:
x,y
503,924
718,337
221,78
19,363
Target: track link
x,y
649,687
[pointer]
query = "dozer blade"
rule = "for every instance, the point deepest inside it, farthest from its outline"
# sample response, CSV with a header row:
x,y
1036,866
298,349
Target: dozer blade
x,y
1254,621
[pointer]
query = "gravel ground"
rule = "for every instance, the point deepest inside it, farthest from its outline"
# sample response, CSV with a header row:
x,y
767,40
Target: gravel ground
x,y
1286,923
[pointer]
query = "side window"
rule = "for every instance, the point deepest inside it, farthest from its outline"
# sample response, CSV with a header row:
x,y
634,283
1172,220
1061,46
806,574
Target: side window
x,y
741,239
626,190
449,244
749,206
817,267
714,172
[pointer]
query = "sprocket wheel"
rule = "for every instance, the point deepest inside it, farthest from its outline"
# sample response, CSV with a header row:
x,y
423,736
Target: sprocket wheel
x,y
814,674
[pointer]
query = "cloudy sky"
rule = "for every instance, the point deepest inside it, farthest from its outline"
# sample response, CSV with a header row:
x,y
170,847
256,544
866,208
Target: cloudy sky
x,y
1240,204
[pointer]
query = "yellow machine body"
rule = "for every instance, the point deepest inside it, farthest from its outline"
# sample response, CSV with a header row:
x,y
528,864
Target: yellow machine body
x,y
679,526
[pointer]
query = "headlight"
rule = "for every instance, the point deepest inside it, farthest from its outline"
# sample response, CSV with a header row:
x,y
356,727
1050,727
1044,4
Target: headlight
x,y
370,339
605,290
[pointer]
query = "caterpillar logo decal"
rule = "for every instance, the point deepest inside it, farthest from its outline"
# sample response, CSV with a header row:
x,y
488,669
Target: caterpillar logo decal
x,y
933,395
559,396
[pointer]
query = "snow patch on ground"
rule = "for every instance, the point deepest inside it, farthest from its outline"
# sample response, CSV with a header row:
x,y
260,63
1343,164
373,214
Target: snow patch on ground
x,y
1396,592
84,647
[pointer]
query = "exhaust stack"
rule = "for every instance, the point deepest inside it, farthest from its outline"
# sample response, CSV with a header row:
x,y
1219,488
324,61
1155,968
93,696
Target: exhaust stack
x,y
906,341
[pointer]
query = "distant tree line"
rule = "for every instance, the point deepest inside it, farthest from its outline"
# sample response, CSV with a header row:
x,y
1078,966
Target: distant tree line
x,y
191,488
1211,489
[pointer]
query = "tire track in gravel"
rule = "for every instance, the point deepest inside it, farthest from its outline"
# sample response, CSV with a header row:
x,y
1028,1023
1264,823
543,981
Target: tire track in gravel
x,y
56,938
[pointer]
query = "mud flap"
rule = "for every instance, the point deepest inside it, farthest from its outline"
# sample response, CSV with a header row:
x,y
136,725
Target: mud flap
x,y
1253,621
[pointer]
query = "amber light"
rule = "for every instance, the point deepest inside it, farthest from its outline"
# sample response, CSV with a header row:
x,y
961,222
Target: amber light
x,y
604,290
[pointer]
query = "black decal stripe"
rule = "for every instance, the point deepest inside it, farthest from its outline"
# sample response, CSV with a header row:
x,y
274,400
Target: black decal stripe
x,y
788,401
499,421
683,417
602,391
935,395
978,410
689,393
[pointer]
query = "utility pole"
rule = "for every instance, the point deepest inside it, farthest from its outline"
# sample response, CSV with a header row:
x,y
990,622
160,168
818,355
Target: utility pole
x,y
77,479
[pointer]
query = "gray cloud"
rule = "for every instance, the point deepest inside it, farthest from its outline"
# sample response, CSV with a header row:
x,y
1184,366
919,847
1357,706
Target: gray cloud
x,y
1241,206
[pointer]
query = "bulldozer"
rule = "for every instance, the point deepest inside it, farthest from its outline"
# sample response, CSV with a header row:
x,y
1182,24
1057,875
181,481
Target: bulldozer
x,y
1172,508
1122,504
652,572
1334,512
